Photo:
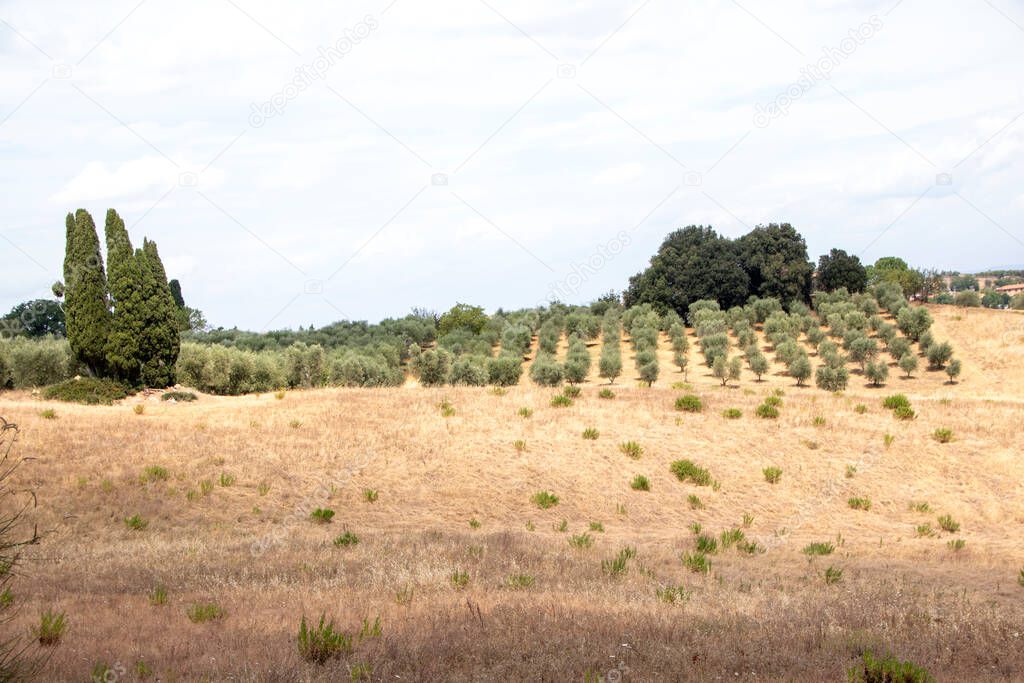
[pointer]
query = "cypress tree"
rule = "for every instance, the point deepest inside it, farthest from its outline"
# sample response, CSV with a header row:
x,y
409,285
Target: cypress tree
x,y
179,300
124,353
86,304
160,341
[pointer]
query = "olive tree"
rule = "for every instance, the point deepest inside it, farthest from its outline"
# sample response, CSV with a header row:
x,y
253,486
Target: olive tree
x,y
877,372
908,364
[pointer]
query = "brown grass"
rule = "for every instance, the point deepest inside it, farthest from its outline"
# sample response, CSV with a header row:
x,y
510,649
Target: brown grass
x,y
767,615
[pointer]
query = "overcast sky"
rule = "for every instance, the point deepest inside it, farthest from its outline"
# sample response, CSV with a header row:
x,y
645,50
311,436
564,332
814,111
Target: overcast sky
x,y
302,162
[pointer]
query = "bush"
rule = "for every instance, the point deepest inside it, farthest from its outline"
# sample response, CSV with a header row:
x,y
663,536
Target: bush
x,y
832,378
610,364
545,371
877,372
632,449
772,475
689,403
949,524
953,370
51,627
939,355
433,367
606,394
561,401
896,401
904,413
87,390
179,396
34,362
469,371
732,413
767,411
505,370
640,483
544,499
217,369
322,642
943,435
887,670
687,470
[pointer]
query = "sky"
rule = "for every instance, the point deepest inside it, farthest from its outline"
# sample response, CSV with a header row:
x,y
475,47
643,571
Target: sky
x,y
300,163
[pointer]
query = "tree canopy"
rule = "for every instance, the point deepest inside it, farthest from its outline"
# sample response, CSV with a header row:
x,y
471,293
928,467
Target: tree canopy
x,y
838,269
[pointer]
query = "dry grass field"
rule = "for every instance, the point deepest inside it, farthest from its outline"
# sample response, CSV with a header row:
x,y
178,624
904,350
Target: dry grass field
x,y
471,580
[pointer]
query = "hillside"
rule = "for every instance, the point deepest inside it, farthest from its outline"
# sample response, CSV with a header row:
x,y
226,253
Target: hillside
x,y
228,523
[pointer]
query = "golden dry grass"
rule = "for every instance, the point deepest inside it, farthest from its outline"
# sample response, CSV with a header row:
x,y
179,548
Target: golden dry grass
x,y
767,615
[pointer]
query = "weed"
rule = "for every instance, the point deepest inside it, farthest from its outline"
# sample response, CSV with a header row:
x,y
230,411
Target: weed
x,y
632,449
731,537
597,527
48,414
673,594
263,488
138,409
204,612
1020,578
544,499
957,544
706,544
370,495
6,599
943,435
640,483
346,540
732,413
591,434
447,409
205,487
772,475
875,670
279,395
949,524
695,502
851,470
561,401
519,445
154,473
748,519
404,595
520,581
322,642
179,396
226,479
775,401
525,412
695,528
474,523
888,439
687,470
530,526
606,394
924,530
158,596
562,526
859,503
920,507
322,515
697,562
860,409
833,575
618,565
136,523
690,403
896,401
581,541
459,579
819,548
904,413
498,391
572,391
767,412
749,547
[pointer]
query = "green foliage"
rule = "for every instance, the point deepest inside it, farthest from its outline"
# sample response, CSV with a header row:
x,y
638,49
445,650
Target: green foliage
x,y
887,669
323,642
618,565
689,403
462,317
561,401
837,269
908,363
34,319
949,524
160,343
546,371
772,475
758,363
469,371
433,367
939,354
86,390
859,503
346,540
775,259
833,575
179,396
200,613
51,628
953,369
800,369
606,394
914,321
505,370
732,413
632,449
877,372
687,470
581,541
28,363
85,293
943,435
544,499
697,562
640,483
591,434
322,515
819,548
767,411
831,378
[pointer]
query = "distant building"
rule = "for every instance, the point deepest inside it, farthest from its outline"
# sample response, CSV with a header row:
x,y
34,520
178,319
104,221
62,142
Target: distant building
x,y
1011,289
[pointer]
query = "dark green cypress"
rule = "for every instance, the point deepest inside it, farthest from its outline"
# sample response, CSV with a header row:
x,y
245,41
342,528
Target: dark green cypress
x,y
179,300
86,305
160,342
124,354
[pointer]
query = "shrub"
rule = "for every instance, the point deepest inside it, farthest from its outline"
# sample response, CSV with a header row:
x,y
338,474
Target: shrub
x,y
35,362
632,449
505,370
179,396
202,612
610,363
322,515
459,579
896,401
520,581
572,391
908,363
904,413
433,367
618,565
561,401
706,544
887,670
953,370
767,411
581,541
943,435
640,483
949,524
48,414
831,378
859,503
758,364
800,369
877,372
687,470
525,412
51,628
833,575
138,409
689,403
545,371
772,475
469,371
370,495
87,390
606,394
136,523
322,642
591,434
544,499
939,355
860,409
697,562
695,502
957,544
732,413
819,548
346,540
